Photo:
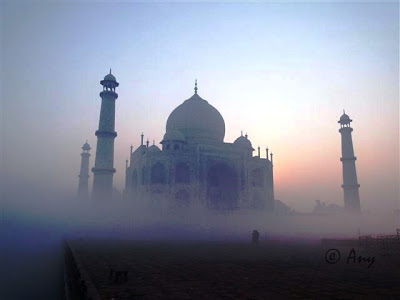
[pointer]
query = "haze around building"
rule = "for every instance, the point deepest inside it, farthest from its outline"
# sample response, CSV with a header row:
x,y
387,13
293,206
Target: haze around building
x,y
280,72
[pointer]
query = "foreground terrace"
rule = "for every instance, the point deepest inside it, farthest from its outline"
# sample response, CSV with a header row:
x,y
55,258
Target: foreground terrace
x,y
228,270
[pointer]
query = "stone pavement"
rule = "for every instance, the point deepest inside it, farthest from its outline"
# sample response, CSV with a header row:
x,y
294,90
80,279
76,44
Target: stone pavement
x,y
211,270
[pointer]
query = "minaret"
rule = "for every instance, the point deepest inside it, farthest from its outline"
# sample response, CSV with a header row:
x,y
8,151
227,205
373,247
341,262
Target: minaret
x,y
83,188
350,185
104,165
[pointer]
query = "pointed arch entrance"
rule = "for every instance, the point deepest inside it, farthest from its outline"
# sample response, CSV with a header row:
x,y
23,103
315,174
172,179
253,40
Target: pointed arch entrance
x,y
222,187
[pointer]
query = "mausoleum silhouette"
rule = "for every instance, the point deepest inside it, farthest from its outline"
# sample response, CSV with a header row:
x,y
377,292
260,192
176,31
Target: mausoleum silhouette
x,y
195,167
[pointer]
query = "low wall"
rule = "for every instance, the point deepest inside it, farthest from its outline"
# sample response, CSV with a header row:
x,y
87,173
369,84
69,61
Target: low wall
x,y
78,284
339,243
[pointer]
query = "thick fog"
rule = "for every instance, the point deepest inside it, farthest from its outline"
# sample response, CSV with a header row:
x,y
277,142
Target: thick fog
x,y
286,88
282,73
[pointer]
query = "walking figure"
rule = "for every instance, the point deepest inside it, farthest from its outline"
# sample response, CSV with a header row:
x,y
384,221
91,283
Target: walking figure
x,y
255,237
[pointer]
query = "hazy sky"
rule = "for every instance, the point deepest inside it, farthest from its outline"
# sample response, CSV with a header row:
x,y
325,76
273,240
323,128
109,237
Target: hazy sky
x,y
283,73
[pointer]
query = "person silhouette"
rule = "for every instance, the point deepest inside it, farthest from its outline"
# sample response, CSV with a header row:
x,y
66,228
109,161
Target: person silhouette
x,y
255,237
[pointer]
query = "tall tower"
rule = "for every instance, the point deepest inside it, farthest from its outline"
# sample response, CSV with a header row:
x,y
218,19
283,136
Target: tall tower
x,y
83,188
104,164
350,185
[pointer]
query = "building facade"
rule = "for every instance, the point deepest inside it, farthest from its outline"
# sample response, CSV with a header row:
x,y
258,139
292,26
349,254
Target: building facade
x,y
194,167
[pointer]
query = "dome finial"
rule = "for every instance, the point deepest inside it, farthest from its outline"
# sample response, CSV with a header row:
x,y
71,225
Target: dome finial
x,y
110,70
195,86
241,132
343,111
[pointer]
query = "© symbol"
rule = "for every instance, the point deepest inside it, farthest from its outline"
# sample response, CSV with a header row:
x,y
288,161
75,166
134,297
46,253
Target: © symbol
x,y
332,256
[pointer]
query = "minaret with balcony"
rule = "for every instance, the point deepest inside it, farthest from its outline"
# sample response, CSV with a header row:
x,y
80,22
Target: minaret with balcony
x,y
83,187
350,184
104,163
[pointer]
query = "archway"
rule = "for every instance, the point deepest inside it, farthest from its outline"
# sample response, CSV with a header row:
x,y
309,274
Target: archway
x,y
134,178
258,200
158,173
222,187
143,176
182,173
257,177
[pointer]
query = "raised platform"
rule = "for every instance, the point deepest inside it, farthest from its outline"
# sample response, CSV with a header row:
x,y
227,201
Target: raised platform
x,y
212,270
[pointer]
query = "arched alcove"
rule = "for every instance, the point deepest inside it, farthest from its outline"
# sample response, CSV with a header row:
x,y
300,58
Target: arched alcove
x,y
134,178
143,175
158,173
257,177
182,173
222,187
258,200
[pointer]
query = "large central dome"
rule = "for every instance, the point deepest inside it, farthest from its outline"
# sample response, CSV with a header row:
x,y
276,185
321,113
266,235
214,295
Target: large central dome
x,y
197,120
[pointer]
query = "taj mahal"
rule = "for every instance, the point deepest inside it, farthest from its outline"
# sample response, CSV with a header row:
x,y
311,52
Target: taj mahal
x,y
194,166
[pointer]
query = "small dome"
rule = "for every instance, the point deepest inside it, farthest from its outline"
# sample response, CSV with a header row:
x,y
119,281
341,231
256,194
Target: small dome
x,y
109,82
243,142
86,146
110,77
154,148
344,119
173,135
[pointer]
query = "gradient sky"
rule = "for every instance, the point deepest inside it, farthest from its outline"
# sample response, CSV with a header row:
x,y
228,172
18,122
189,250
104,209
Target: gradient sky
x,y
283,73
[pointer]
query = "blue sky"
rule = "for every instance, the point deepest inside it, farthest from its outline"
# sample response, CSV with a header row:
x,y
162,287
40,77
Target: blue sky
x,y
281,72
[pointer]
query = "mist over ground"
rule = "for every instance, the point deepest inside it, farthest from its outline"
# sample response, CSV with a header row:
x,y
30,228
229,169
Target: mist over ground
x,y
281,72
141,220
34,225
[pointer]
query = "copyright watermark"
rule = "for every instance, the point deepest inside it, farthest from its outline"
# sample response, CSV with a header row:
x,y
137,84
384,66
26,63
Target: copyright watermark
x,y
332,256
